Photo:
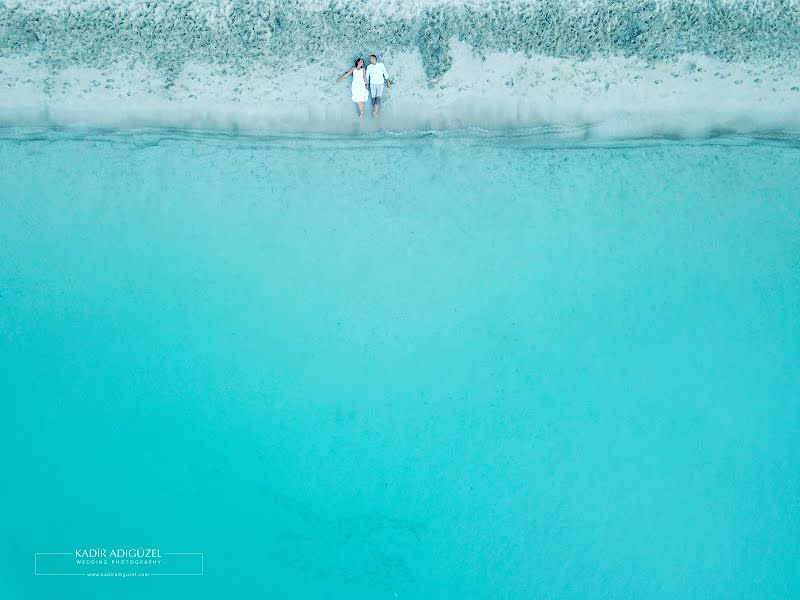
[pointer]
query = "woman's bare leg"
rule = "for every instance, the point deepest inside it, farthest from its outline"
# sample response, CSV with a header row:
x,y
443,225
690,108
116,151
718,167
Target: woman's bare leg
x,y
360,109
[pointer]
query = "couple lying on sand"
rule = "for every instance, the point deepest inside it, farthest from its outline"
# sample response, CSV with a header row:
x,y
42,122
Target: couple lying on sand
x,y
371,79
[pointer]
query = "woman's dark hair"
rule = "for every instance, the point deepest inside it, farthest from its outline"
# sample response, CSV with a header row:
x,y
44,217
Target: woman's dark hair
x,y
358,60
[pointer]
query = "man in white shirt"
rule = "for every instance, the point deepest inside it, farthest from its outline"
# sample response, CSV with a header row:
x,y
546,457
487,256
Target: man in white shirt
x,y
376,75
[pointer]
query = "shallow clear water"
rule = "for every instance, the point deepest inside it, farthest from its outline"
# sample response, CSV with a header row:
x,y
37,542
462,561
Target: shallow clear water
x,y
512,370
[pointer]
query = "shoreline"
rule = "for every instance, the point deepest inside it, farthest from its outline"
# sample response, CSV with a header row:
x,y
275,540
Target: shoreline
x,y
606,99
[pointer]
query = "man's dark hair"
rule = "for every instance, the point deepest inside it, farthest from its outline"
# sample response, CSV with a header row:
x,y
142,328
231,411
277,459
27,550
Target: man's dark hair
x,y
373,56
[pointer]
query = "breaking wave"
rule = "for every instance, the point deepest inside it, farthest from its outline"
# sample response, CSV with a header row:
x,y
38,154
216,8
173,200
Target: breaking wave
x,y
623,68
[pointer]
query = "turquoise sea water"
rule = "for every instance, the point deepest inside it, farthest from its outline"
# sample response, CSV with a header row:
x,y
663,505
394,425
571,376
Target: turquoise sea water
x,y
515,369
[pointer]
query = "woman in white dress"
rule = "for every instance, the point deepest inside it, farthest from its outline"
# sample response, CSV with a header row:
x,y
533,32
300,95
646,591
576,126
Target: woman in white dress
x,y
359,85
